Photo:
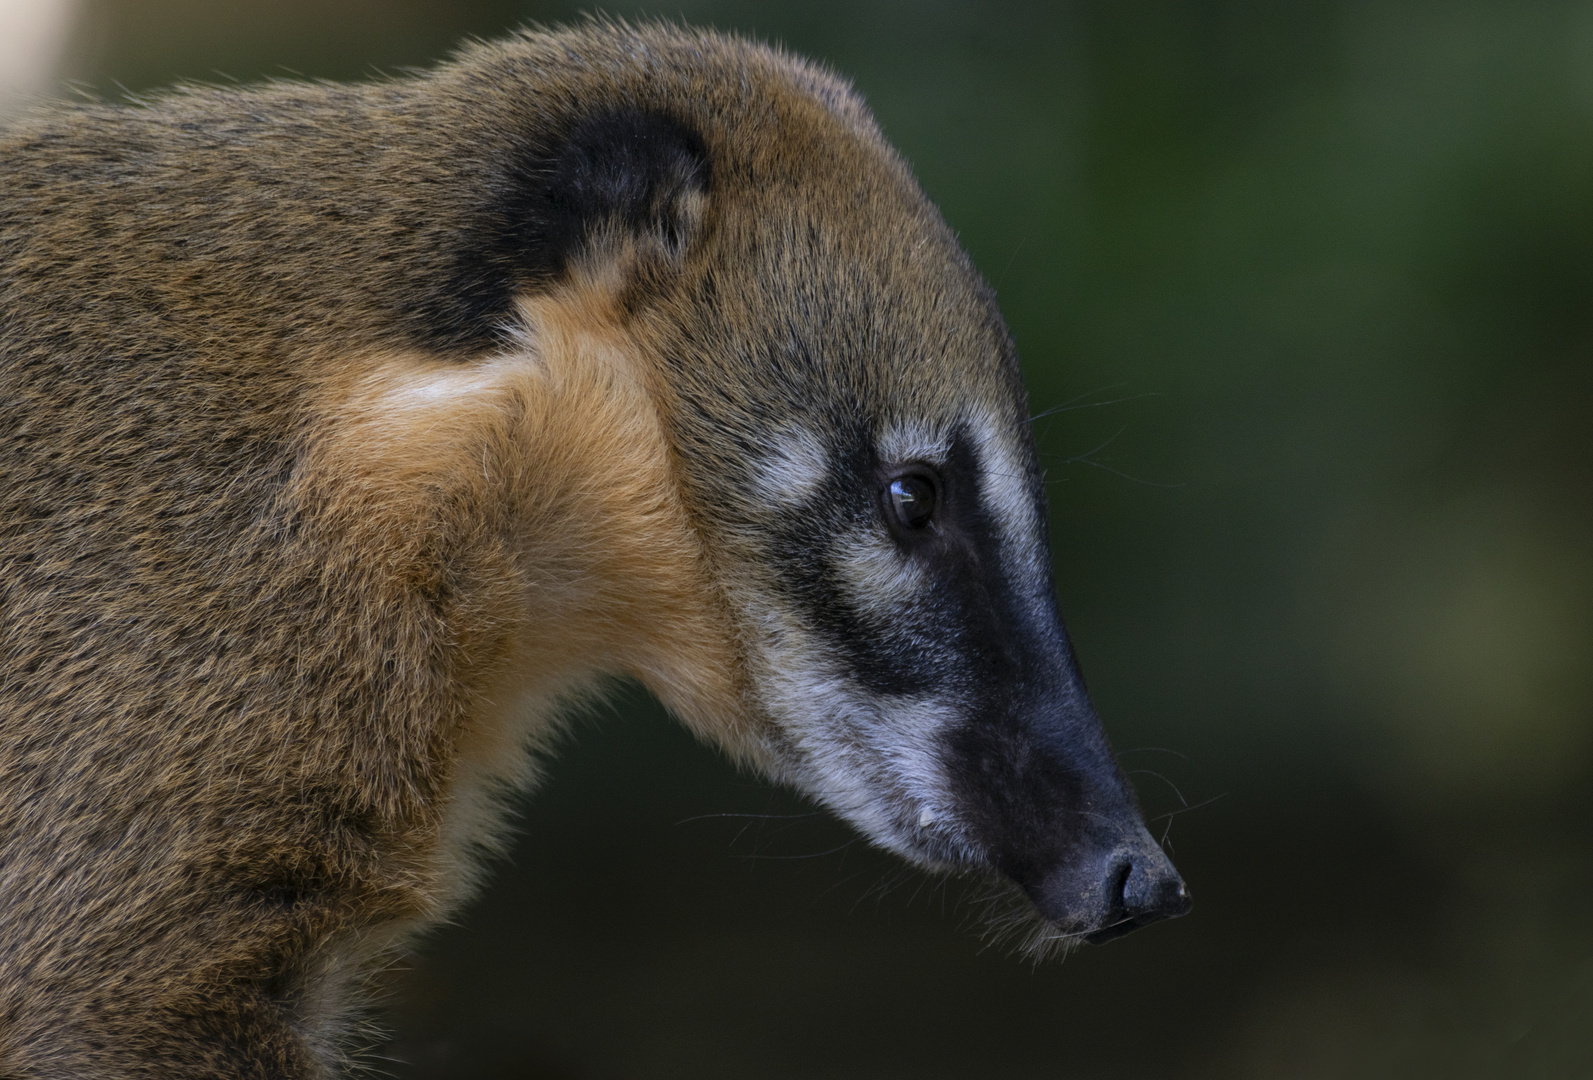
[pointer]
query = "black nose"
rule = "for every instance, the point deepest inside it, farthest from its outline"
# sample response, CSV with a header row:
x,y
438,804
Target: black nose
x,y
1143,888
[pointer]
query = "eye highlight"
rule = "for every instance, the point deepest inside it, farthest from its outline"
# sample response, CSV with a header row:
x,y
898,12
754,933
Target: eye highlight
x,y
910,501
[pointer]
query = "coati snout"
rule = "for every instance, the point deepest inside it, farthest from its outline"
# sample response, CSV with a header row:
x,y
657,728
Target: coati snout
x,y
927,689
349,433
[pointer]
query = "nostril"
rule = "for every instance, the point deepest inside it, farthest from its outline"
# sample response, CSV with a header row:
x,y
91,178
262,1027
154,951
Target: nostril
x,y
1118,891
1141,888
1152,889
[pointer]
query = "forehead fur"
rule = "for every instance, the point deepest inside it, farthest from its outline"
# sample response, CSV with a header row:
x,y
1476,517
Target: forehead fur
x,y
825,291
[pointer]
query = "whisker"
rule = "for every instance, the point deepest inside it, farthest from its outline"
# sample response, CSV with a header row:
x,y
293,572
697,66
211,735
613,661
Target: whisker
x,y
1186,809
1108,388
1163,779
1119,472
731,814
1010,259
1069,406
811,855
1155,750
837,883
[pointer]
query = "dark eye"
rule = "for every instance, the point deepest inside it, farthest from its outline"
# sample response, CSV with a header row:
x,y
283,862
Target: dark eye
x,y
912,501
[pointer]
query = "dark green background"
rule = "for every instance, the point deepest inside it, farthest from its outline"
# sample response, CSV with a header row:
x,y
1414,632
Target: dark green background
x,y
1309,288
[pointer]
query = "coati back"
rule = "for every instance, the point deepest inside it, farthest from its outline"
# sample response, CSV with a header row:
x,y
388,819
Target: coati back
x,y
349,432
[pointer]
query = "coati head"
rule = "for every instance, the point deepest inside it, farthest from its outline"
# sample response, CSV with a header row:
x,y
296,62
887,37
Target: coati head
x,y
850,435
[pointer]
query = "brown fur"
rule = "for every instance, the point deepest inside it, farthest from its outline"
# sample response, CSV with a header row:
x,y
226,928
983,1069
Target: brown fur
x,y
285,594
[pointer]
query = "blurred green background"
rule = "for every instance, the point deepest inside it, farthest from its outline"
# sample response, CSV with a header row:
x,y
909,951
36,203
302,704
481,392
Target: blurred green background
x,y
1304,292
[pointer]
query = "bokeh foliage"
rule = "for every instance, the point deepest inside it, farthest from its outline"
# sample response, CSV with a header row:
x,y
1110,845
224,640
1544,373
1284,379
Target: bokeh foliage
x,y
1305,297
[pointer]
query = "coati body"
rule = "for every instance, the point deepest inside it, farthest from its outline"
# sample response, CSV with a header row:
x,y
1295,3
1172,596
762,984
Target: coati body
x,y
347,433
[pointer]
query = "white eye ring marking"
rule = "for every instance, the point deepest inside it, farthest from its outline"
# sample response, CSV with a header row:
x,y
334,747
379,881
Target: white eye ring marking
x,y
1004,490
905,443
791,473
879,579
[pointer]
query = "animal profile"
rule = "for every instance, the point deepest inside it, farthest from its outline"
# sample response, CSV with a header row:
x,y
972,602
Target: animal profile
x,y
350,433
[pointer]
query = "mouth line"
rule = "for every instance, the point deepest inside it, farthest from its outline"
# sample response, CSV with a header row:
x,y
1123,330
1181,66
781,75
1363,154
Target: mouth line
x,y
1128,924
1113,931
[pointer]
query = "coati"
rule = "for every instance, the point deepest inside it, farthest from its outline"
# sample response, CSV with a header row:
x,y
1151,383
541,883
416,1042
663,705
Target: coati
x,y
349,433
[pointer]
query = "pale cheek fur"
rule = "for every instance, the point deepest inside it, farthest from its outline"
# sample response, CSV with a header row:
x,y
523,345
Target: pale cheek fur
x,y
880,580
870,759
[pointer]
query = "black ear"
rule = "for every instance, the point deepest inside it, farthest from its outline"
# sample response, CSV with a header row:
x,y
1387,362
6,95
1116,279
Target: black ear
x,y
628,175
627,183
